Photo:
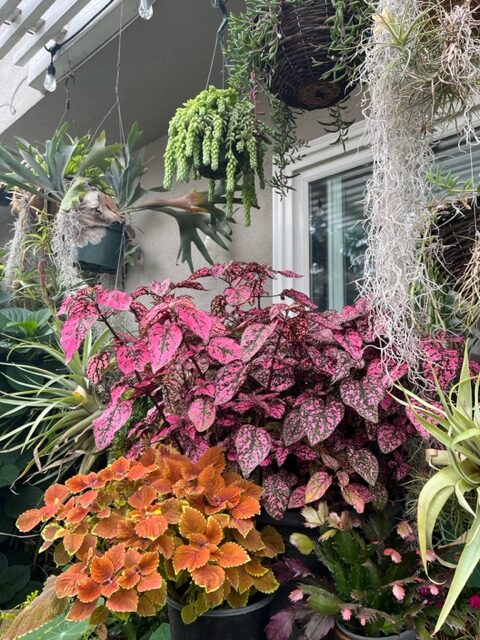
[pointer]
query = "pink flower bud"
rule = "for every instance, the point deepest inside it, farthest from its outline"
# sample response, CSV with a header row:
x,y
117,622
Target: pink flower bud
x,y
296,595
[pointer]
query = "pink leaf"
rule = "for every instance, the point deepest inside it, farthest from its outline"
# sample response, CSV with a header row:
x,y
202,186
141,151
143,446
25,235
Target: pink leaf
x,y
199,322
96,367
281,624
297,499
229,380
163,342
75,329
202,413
276,494
365,464
364,396
254,337
160,288
317,486
352,497
390,437
238,295
112,419
132,356
351,341
293,428
299,297
253,446
224,350
320,418
114,299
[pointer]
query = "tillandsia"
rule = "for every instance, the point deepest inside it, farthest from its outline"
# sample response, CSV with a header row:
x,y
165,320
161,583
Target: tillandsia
x,y
218,135
298,398
137,527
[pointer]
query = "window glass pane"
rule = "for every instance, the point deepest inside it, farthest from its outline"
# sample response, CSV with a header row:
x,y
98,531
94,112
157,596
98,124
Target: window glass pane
x,y
337,233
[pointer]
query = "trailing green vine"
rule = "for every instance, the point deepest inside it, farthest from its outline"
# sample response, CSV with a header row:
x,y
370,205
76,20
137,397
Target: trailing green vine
x,y
218,136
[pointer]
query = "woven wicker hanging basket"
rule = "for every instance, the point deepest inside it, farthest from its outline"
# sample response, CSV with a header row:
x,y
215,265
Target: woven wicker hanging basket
x,y
458,226
304,57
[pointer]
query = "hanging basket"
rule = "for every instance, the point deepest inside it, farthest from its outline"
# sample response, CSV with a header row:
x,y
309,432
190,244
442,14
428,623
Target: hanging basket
x,y
107,255
458,226
304,56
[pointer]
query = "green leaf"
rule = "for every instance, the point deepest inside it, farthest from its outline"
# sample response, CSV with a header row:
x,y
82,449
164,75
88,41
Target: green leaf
x,y
58,629
161,633
28,497
8,474
12,580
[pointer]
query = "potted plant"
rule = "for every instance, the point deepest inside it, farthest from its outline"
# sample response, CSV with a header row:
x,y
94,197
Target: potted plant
x,y
141,532
372,585
299,399
218,136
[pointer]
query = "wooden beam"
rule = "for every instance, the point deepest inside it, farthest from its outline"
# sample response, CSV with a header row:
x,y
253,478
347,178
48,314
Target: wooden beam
x,y
7,8
32,12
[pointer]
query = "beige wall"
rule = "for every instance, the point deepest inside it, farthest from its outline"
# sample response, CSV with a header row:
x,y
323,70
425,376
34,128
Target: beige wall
x,y
157,234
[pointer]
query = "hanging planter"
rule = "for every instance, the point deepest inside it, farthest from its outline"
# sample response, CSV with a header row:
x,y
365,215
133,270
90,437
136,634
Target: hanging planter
x,y
107,255
342,633
222,624
304,57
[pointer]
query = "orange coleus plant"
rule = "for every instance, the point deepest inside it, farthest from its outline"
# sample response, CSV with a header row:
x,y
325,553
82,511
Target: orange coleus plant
x,y
139,528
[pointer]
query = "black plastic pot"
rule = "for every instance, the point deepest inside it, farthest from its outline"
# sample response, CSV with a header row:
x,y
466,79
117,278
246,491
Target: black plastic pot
x,y
221,624
342,633
107,255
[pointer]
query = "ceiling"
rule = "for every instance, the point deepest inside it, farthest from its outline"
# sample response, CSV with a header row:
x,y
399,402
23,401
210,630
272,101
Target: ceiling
x,y
164,61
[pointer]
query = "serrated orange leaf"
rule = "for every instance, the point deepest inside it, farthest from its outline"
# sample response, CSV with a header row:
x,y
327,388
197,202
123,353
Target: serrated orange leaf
x,y
187,557
223,519
123,601
245,580
66,583
81,611
164,545
110,588
76,514
150,582
88,498
29,519
172,510
249,488
232,576
152,527
116,555
88,590
79,483
237,600
214,598
213,531
251,542
192,521
273,541
232,555
101,570
125,529
72,542
89,543
243,526
267,583
209,577
246,508
143,497
211,480
138,472
132,556
60,556
128,578
148,563
120,468
56,494
214,456
255,568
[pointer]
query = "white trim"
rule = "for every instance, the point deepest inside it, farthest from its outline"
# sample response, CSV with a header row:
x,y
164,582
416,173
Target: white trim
x,y
320,159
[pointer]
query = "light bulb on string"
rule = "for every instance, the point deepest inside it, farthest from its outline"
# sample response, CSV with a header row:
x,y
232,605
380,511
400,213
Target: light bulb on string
x,y
145,10
50,82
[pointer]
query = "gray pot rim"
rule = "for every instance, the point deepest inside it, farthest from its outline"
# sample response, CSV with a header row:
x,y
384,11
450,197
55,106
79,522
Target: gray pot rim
x,y
404,635
226,613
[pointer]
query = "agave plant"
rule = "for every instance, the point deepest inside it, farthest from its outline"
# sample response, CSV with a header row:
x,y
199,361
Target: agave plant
x,y
454,422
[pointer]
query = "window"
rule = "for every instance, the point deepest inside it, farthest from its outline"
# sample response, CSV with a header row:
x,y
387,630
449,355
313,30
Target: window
x,y
318,228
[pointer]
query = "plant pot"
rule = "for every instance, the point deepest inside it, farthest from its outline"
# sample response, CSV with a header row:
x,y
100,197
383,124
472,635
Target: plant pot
x,y
221,624
221,172
342,633
304,56
107,255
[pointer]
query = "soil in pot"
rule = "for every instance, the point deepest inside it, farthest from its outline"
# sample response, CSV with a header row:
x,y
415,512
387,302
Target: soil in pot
x,y
221,624
107,255
342,633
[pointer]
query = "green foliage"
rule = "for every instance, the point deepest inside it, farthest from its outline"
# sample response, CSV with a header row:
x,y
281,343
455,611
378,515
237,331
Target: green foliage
x,y
219,135
59,629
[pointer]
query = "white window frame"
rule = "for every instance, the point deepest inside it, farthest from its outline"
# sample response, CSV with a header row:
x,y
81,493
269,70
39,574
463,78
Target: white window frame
x,y
322,158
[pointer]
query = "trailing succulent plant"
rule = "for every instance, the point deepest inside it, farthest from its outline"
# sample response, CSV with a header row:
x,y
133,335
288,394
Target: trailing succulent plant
x,y
138,526
300,399
220,137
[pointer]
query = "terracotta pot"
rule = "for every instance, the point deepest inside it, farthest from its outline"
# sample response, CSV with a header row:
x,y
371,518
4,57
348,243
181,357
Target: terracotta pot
x,y
342,633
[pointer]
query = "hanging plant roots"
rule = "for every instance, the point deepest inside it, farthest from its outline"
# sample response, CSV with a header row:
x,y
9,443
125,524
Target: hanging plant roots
x,y
304,57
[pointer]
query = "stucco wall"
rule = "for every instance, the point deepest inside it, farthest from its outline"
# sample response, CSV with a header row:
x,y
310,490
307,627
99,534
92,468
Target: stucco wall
x,y
157,234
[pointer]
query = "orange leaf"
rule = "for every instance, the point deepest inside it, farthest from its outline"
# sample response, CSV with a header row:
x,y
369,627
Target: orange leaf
x,y
88,590
101,570
53,531
56,494
143,497
81,611
125,529
273,541
152,527
116,555
110,587
89,543
255,568
88,498
72,542
223,519
187,557
120,468
209,577
60,556
76,484
152,581
192,521
138,472
129,578
66,583
245,581
246,508
232,576
211,480
148,563
28,520
107,527
267,583
172,510
214,456
123,601
165,545
214,598
243,526
146,607
131,558
249,488
251,542
213,531
232,555
237,600
76,514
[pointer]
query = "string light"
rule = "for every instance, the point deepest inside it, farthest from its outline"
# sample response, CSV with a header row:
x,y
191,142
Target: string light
x,y
50,82
145,9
